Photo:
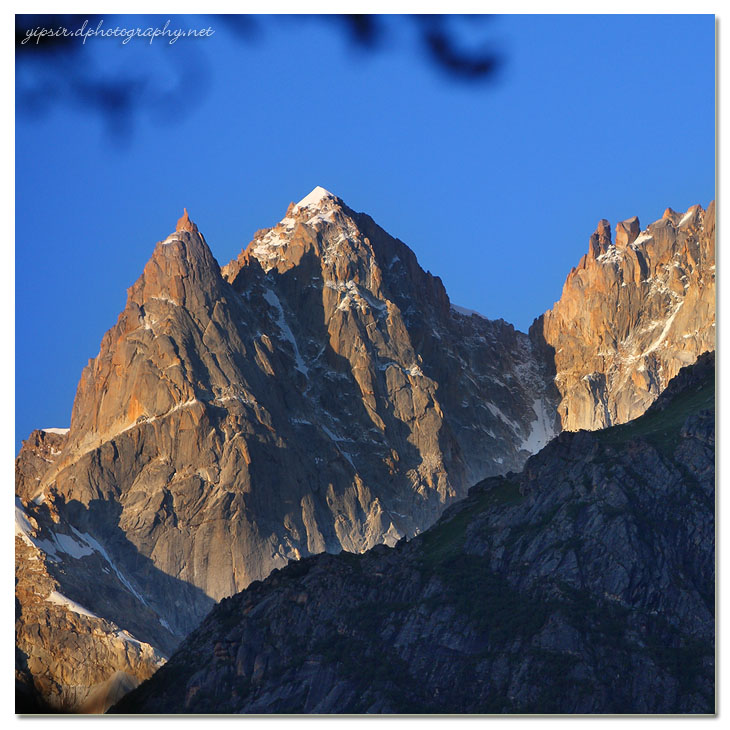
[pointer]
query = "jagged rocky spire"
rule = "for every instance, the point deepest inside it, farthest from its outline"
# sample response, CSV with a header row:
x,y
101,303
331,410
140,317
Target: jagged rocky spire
x,y
627,231
185,224
601,239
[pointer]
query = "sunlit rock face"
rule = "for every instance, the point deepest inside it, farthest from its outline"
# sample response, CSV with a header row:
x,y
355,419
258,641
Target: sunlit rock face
x,y
320,392
317,393
69,658
631,315
585,584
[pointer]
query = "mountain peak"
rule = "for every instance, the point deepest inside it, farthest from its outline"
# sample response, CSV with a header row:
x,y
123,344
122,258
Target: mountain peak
x,y
314,198
601,239
603,229
185,224
627,231
669,214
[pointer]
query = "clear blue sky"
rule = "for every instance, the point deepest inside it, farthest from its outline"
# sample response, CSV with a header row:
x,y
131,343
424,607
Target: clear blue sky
x,y
496,186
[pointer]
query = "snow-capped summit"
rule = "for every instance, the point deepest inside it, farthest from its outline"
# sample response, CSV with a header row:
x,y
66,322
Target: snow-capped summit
x,y
326,361
314,198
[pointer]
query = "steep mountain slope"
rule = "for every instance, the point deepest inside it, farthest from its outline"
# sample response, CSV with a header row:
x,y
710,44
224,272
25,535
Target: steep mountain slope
x,y
319,392
631,314
68,658
316,394
585,584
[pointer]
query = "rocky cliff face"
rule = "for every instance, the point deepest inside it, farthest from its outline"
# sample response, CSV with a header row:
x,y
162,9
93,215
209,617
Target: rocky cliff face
x,y
585,584
632,313
68,658
39,451
317,393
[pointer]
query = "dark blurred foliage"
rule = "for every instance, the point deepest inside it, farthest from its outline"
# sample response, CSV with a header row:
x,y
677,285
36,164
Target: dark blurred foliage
x,y
443,49
54,70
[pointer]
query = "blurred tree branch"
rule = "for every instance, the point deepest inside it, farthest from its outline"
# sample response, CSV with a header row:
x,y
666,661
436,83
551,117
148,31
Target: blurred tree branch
x,y
53,70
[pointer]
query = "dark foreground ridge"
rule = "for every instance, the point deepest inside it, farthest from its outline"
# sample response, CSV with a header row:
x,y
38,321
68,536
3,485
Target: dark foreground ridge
x,y
585,584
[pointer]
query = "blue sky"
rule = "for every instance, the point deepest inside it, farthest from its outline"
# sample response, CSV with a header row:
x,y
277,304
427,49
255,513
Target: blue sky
x,y
495,186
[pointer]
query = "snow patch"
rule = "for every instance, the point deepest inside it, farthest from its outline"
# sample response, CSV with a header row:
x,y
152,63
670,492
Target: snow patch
x,y
643,238
126,636
66,544
61,431
23,526
665,331
612,256
265,249
327,217
496,412
27,532
467,312
541,429
337,440
240,398
59,599
687,216
358,296
94,544
273,300
331,435
164,298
